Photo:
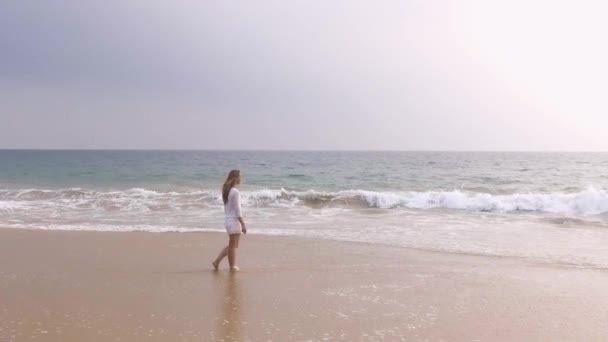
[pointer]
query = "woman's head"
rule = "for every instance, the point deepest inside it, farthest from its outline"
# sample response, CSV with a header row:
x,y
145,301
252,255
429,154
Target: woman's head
x,y
234,178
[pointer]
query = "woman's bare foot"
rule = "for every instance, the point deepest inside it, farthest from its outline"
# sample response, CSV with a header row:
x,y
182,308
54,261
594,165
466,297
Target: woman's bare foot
x,y
234,269
215,266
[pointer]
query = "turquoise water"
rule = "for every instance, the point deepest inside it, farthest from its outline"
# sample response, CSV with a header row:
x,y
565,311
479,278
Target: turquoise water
x,y
494,173
547,206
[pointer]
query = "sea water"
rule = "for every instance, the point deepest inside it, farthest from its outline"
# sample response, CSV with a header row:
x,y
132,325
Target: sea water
x,y
548,207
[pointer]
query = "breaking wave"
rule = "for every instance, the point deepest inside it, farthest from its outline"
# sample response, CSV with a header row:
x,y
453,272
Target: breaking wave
x,y
588,202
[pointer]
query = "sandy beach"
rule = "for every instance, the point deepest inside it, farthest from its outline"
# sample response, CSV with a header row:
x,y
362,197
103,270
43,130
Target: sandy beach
x,y
98,286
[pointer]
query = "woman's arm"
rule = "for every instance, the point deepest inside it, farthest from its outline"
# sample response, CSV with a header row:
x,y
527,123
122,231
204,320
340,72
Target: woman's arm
x,y
243,226
239,215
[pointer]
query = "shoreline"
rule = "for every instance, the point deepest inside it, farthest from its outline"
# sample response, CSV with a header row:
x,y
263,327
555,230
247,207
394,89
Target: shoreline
x,y
106,286
529,260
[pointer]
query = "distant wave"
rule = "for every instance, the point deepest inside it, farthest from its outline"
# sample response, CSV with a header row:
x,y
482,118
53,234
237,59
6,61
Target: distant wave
x,y
135,199
591,201
296,175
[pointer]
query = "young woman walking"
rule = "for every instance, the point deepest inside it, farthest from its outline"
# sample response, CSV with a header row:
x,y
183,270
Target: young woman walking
x,y
233,220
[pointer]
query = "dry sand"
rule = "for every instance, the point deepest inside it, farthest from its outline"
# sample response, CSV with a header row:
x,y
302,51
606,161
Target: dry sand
x,y
93,286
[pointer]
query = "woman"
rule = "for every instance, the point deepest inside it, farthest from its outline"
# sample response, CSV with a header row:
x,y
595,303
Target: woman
x,y
233,220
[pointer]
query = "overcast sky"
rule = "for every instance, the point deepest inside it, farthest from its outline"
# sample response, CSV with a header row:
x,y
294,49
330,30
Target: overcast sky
x,y
357,75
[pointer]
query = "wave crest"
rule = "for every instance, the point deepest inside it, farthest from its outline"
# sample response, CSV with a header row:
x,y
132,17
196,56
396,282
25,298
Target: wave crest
x,y
588,202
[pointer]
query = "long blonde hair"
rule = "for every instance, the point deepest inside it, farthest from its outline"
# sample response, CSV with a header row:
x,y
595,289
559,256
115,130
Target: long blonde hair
x,y
231,181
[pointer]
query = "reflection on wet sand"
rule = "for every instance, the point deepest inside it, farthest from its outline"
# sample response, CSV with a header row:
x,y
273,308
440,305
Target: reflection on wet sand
x,y
230,303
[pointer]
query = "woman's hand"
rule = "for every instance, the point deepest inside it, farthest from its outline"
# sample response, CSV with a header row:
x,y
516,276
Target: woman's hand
x,y
244,228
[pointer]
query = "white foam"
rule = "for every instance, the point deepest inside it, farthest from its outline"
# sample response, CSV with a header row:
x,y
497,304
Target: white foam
x,y
9,206
112,228
588,202
591,201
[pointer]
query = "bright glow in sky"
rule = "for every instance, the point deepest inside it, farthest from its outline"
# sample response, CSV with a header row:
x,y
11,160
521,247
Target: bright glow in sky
x,y
363,75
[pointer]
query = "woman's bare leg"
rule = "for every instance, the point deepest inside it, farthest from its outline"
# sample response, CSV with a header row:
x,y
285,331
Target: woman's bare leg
x,y
232,246
220,257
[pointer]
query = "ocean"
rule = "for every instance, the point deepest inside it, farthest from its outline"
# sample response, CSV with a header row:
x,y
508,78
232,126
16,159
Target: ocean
x,y
546,207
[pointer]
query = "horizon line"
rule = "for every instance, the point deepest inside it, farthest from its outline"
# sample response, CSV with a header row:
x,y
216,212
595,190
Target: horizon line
x,y
286,150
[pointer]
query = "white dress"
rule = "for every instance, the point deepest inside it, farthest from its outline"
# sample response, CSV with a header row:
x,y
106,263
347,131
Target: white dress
x,y
232,212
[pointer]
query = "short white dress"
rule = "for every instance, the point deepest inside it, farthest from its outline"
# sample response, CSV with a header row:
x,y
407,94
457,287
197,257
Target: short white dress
x,y
232,212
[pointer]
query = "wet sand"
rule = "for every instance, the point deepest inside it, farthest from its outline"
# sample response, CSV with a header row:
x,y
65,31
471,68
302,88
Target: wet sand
x,y
93,286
